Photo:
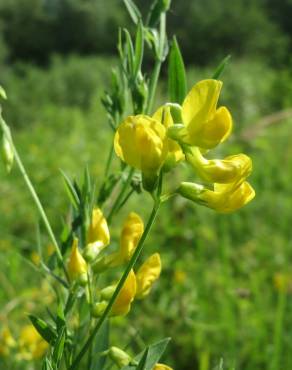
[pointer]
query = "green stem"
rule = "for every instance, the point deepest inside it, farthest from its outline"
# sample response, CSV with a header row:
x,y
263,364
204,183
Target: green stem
x,y
131,264
153,86
34,197
157,66
109,160
120,196
278,329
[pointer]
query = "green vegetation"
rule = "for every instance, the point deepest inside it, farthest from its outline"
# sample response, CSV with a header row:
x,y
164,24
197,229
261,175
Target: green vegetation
x,y
226,286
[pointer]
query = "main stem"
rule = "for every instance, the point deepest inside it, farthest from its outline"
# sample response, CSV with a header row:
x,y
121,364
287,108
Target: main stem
x,y
131,264
34,197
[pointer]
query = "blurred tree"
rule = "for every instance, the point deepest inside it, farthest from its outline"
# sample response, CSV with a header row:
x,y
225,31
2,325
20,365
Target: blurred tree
x,y
207,29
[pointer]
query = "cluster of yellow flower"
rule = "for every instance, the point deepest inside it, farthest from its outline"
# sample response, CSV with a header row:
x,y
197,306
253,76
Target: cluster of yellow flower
x,y
137,285
176,133
28,346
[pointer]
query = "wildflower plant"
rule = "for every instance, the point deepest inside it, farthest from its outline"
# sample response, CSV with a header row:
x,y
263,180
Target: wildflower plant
x,y
148,144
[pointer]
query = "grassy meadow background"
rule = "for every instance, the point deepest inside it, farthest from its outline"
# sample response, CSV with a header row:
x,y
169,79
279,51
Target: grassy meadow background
x,y
226,288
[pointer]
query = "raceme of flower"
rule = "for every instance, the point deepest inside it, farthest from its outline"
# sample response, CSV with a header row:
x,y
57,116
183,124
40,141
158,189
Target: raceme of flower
x,y
191,130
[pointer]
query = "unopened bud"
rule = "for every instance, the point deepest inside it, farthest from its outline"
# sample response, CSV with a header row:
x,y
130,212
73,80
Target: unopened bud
x,y
119,357
99,308
107,292
7,153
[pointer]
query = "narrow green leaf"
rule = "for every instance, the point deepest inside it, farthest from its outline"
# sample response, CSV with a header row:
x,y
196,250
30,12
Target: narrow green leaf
x,y
59,347
157,7
130,51
2,93
47,364
177,84
133,10
101,343
73,196
45,330
143,362
139,49
60,320
154,353
219,70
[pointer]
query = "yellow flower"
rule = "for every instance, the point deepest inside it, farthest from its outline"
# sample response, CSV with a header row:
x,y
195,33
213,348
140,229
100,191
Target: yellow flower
x,y
204,125
162,367
132,231
147,274
31,344
227,170
175,153
141,142
36,258
126,296
77,267
6,341
225,198
98,236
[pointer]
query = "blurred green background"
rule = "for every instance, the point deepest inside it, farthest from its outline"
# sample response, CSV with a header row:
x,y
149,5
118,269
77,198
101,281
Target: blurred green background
x,y
226,288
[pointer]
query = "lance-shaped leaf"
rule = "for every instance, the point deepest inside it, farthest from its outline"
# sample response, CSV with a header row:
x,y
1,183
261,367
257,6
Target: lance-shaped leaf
x,y
139,49
59,348
219,70
45,330
177,84
101,343
152,353
133,11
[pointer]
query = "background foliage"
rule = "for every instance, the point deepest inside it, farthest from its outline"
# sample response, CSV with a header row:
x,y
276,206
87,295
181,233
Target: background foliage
x,y
227,279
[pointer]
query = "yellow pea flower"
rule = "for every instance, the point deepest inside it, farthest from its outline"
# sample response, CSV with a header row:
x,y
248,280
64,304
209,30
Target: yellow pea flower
x,y
227,170
147,274
204,125
162,367
31,344
132,231
225,198
141,142
77,267
98,235
126,296
175,153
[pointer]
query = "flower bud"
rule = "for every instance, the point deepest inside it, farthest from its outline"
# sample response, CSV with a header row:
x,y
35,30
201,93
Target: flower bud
x,y
7,153
147,274
119,357
107,292
77,267
99,308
